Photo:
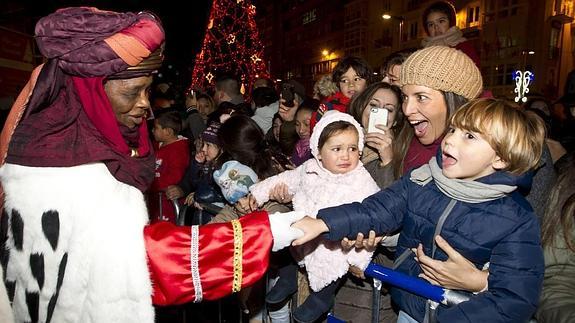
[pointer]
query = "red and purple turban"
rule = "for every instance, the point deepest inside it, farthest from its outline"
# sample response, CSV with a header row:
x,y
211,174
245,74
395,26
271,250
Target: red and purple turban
x,y
63,116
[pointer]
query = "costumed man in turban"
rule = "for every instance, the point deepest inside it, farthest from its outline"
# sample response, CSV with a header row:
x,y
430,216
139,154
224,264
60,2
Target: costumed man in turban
x,y
76,158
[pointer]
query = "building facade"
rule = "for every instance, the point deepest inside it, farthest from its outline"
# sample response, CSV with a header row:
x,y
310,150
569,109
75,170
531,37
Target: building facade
x,y
303,40
509,35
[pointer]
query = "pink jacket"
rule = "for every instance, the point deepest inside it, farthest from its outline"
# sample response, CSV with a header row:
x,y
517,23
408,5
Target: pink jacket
x,y
314,188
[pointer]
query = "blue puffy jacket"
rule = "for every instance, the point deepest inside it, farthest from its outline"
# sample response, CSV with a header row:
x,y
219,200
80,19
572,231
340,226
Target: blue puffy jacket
x,y
504,232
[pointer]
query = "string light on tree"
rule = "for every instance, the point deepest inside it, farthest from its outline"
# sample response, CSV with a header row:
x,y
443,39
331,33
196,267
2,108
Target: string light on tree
x,y
231,46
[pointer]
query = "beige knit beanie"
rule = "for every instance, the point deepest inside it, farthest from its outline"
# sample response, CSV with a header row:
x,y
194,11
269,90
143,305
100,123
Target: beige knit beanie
x,y
443,68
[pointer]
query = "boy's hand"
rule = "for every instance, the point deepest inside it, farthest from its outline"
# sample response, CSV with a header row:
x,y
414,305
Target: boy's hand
x,y
369,244
311,228
455,273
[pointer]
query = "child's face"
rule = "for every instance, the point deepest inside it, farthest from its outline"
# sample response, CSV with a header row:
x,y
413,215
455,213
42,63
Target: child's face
x,y
204,107
340,152
392,75
351,83
210,150
467,155
426,111
437,23
302,119
381,99
191,100
159,132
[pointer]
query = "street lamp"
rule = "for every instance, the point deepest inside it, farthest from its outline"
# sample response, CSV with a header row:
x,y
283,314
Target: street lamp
x,y
387,16
525,53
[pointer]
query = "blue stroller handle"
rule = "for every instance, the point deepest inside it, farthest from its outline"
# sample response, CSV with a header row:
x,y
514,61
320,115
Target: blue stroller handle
x,y
415,285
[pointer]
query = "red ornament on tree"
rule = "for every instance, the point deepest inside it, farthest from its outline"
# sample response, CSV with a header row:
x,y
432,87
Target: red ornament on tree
x,y
231,46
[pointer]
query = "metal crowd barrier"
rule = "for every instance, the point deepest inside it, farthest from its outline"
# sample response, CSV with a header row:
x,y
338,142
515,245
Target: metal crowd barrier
x,y
381,274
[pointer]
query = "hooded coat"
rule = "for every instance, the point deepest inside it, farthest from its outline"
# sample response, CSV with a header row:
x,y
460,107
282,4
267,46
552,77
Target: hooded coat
x,y
313,188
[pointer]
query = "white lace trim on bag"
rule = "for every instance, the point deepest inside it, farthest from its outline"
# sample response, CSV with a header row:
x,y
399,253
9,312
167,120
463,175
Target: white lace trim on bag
x,y
194,246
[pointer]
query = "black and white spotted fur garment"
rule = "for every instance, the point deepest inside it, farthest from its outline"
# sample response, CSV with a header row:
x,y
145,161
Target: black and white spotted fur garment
x,y
75,248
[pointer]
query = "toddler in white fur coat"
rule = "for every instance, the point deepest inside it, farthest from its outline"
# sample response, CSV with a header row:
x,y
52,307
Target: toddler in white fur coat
x,y
333,177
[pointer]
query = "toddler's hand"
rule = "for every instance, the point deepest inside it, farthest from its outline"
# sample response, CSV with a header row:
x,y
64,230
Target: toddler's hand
x,y
280,193
356,271
200,157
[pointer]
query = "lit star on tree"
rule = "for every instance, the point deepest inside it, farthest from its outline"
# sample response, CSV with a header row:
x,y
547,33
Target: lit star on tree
x,y
231,39
255,58
239,1
209,77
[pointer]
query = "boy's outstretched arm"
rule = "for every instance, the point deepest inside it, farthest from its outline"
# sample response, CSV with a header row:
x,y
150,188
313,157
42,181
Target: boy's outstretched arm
x,y
311,228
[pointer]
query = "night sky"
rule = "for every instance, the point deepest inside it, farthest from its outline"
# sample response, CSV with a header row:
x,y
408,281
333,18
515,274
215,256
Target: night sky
x,y
184,28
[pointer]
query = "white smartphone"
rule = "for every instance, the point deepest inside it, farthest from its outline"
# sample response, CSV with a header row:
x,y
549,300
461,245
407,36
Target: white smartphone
x,y
377,116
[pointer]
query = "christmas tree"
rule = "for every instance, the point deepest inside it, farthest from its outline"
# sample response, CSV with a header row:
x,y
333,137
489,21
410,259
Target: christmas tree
x,y
231,46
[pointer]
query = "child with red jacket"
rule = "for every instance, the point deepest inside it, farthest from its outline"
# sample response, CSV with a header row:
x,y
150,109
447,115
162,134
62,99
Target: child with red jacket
x,y
351,76
172,159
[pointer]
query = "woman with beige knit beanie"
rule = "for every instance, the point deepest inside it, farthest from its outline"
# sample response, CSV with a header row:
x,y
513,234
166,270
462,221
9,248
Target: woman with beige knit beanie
x,y
435,82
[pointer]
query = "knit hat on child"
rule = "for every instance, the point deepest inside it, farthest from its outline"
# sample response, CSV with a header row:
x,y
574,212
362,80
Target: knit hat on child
x,y
235,179
211,133
332,116
445,69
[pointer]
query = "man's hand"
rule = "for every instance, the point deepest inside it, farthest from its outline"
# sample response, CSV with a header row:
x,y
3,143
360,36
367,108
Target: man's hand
x,y
287,113
454,273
